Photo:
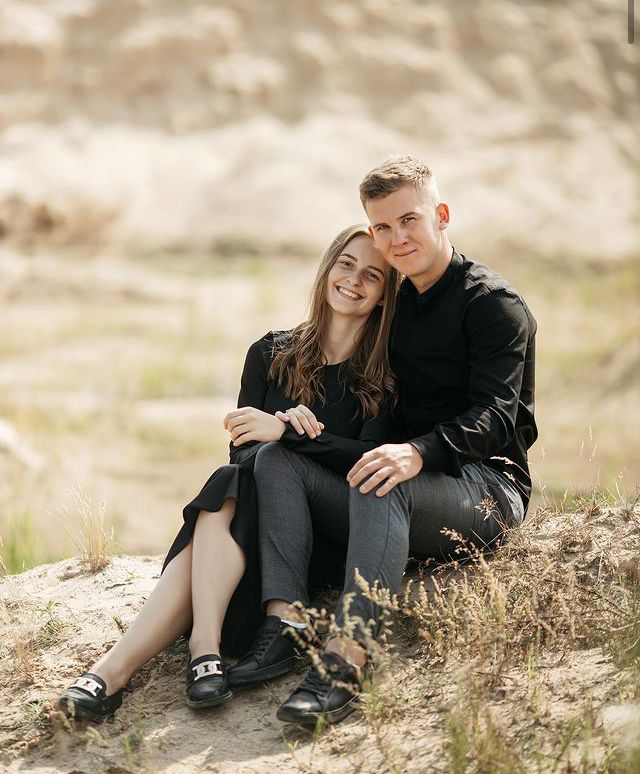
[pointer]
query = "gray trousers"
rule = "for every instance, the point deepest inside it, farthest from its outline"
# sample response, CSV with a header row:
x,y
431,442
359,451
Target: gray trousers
x,y
298,498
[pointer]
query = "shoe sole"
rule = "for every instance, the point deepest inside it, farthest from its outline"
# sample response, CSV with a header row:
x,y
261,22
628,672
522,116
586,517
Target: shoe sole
x,y
75,711
311,718
209,702
266,674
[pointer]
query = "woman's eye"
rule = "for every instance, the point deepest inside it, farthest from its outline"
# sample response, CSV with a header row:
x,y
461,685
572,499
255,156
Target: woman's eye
x,y
372,275
346,263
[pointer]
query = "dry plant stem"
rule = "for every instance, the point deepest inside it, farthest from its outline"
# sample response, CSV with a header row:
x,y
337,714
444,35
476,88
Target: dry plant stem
x,y
217,567
165,616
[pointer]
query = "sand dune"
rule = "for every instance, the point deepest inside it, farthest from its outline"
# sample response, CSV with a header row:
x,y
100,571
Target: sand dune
x,y
191,126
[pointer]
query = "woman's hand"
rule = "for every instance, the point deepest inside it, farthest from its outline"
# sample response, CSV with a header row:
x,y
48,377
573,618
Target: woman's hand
x,y
302,419
251,424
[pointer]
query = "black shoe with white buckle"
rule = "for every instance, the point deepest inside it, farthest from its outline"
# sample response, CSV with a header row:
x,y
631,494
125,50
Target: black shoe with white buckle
x,y
273,653
86,698
207,682
330,691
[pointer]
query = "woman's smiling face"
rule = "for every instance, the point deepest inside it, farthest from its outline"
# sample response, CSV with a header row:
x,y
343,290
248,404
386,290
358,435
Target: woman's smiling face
x,y
356,281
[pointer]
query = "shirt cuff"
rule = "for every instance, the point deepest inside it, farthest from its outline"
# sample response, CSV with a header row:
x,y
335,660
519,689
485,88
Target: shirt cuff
x,y
291,437
433,451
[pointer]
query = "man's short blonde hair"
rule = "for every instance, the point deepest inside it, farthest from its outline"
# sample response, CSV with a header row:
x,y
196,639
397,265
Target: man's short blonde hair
x,y
396,172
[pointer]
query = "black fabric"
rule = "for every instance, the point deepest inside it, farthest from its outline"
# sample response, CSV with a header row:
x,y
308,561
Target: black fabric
x,y
345,438
463,353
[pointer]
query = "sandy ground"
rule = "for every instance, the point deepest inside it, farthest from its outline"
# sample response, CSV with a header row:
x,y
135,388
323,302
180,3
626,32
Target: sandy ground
x,y
564,705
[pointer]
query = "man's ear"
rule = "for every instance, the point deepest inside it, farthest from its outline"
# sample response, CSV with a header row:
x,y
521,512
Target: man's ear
x,y
370,230
443,215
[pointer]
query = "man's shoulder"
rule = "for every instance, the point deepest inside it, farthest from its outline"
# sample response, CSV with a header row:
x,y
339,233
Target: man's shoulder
x,y
482,280
498,295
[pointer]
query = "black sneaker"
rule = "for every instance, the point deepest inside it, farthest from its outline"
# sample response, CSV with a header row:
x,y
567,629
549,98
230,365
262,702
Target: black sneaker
x,y
272,654
207,682
86,698
330,691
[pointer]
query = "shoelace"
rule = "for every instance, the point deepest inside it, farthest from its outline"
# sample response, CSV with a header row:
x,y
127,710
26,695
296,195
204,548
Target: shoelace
x,y
316,683
264,639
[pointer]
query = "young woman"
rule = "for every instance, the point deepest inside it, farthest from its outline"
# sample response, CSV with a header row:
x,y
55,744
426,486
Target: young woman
x,y
334,369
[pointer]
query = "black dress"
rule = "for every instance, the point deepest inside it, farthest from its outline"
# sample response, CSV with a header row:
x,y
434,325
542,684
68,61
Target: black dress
x,y
344,440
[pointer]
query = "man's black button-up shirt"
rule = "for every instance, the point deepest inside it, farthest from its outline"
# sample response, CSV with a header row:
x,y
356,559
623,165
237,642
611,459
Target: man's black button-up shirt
x,y
463,353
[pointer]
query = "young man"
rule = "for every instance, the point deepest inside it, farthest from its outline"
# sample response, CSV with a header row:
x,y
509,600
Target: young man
x,y
463,354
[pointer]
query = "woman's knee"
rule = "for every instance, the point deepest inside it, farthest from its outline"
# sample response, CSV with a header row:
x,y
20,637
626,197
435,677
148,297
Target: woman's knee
x,y
221,518
268,454
274,459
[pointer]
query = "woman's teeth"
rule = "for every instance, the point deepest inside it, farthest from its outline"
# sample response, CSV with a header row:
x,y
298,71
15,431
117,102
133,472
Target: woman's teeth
x,y
349,294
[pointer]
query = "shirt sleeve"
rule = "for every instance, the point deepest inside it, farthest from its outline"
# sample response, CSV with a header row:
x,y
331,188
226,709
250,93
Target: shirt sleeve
x,y
497,328
335,452
253,391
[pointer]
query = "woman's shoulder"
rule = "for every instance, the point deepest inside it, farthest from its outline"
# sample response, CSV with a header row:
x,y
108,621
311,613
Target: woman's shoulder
x,y
269,344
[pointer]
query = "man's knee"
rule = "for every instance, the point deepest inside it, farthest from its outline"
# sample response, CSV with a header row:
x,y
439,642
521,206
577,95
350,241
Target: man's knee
x,y
366,505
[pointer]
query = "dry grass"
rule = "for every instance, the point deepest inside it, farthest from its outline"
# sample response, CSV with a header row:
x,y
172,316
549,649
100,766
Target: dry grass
x,y
89,529
513,662
28,626
487,639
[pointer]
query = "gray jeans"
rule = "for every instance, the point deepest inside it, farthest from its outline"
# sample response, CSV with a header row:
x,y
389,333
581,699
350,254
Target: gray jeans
x,y
298,498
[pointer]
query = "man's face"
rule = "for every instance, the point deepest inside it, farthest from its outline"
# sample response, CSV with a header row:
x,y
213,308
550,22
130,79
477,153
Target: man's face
x,y
409,230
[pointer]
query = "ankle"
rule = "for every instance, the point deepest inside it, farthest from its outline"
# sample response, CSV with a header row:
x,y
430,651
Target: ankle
x,y
114,676
284,611
204,645
350,650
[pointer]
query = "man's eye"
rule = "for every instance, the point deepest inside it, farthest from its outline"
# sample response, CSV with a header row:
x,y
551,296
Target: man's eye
x,y
381,227
409,217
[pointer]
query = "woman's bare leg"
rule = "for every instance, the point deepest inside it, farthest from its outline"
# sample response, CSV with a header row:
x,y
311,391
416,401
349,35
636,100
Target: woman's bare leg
x,y
196,586
165,616
217,566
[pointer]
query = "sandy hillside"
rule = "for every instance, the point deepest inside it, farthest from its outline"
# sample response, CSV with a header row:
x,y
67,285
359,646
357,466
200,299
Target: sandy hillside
x,y
221,125
527,663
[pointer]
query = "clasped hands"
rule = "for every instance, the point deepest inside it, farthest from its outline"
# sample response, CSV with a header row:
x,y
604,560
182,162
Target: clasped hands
x,y
383,467
251,424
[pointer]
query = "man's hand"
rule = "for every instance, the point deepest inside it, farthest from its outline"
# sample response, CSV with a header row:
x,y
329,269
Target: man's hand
x,y
303,420
251,424
391,463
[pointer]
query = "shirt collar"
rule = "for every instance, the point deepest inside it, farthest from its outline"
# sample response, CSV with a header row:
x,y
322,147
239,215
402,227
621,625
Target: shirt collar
x,y
407,288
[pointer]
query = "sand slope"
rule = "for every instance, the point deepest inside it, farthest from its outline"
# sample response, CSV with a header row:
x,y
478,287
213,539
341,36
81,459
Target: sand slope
x,y
187,125
562,703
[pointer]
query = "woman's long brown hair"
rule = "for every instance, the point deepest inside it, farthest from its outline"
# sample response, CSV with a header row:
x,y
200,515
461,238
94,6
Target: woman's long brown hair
x,y
298,361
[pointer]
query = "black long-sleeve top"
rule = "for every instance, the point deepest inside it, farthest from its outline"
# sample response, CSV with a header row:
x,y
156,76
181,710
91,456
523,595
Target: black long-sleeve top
x,y
346,436
463,354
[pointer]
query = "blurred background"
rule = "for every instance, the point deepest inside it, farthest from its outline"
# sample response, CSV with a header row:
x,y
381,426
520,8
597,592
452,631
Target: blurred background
x,y
170,172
